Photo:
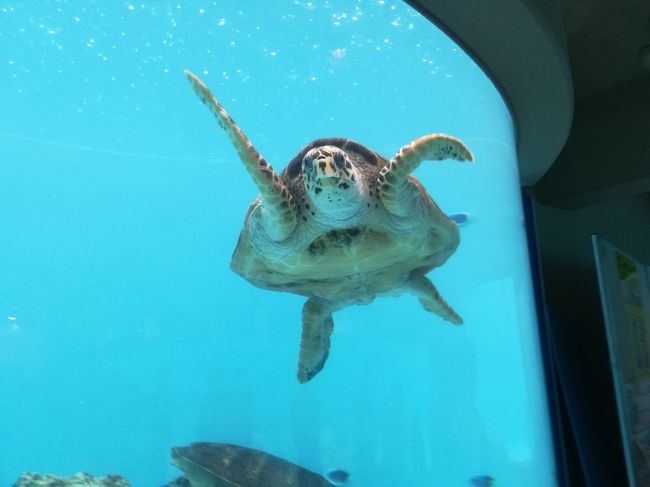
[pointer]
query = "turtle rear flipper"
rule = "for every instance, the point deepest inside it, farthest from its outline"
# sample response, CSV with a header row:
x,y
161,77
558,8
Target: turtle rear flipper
x,y
317,326
430,299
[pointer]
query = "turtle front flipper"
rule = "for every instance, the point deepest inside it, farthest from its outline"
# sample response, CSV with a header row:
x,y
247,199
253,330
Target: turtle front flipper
x,y
279,211
317,326
398,194
430,298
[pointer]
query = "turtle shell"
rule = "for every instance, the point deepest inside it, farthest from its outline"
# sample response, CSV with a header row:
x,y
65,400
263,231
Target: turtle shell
x,y
226,465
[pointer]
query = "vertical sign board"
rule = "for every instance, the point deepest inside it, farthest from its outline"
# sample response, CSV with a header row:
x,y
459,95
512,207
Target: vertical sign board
x,y
625,295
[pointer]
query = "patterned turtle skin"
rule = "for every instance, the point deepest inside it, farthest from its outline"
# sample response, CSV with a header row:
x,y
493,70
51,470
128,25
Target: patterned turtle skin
x,y
225,465
341,225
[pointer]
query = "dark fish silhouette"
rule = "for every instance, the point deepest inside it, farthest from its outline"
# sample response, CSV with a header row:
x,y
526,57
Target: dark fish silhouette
x,y
482,481
337,476
459,218
224,465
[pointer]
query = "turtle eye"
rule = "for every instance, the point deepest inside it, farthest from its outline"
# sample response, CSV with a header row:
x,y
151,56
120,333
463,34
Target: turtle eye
x,y
308,163
339,160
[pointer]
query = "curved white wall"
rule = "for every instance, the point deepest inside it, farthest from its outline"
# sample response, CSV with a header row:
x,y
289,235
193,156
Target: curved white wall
x,y
521,45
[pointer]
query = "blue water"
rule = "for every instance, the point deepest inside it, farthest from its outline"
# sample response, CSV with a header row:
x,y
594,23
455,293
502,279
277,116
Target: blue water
x,y
123,331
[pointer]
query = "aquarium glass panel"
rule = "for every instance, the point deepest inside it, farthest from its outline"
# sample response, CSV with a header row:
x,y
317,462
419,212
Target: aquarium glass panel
x,y
144,307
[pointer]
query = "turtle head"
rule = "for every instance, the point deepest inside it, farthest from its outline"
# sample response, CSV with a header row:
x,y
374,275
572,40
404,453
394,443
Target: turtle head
x,y
332,182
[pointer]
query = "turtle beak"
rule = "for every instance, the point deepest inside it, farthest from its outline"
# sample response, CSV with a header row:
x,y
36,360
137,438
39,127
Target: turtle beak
x,y
326,162
329,176
325,167
321,167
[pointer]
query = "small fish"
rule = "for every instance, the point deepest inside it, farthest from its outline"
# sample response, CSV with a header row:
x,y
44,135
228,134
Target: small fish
x,y
482,481
336,476
459,218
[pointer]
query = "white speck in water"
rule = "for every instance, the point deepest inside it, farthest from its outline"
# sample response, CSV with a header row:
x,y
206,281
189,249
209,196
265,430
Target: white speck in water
x,y
11,318
201,11
221,22
77,19
205,71
273,53
339,53
12,62
130,7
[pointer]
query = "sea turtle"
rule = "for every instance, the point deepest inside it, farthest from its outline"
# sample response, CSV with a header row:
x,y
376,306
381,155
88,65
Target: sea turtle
x,y
225,465
341,225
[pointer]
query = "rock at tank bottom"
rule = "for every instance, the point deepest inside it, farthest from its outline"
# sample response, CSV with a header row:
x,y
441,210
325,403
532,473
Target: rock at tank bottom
x,y
31,479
